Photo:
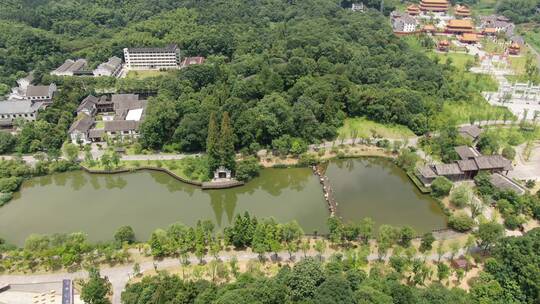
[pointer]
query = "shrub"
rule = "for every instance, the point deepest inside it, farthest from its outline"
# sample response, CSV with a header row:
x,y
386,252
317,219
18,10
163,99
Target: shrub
x,y
137,148
460,222
509,152
512,221
384,143
307,159
247,169
484,184
5,197
298,146
125,234
10,184
441,186
62,166
7,142
461,196
530,183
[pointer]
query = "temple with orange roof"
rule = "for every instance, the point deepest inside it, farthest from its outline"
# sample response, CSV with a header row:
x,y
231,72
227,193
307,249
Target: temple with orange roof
x,y
413,10
470,38
459,26
429,28
514,49
443,45
489,31
434,5
462,11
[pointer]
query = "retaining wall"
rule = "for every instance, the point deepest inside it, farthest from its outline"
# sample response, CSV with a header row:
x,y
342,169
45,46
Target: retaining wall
x,y
206,185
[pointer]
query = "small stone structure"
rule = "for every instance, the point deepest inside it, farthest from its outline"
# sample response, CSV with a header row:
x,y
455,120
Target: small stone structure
x,y
222,173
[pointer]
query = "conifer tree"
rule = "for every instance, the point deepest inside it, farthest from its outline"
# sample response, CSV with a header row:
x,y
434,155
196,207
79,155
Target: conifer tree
x,y
212,145
226,144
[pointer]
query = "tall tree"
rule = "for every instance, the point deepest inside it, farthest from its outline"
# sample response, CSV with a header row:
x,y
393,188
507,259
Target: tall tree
x,y
226,144
212,145
97,289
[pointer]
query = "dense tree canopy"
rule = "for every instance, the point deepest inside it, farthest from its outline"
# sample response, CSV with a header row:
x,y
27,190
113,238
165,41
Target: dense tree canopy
x,y
285,71
519,11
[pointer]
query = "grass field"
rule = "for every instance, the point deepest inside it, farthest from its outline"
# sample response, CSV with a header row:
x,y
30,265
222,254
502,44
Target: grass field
x,y
366,127
460,112
490,46
145,74
518,63
190,168
458,59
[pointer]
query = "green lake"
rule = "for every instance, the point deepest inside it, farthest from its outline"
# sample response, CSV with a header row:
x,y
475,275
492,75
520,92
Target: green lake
x,y
376,188
99,204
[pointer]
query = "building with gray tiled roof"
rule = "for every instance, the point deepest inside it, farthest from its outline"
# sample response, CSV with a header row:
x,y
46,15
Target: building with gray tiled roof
x,y
120,117
70,67
471,163
111,68
18,109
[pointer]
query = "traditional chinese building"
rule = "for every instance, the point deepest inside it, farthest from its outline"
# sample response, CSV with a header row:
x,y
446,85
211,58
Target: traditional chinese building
x,y
470,38
434,5
413,10
514,49
462,11
459,26
429,28
443,45
489,31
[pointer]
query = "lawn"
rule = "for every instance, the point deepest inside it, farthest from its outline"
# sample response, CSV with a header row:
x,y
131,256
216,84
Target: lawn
x,y
145,74
367,128
460,112
458,59
491,46
100,124
518,63
191,168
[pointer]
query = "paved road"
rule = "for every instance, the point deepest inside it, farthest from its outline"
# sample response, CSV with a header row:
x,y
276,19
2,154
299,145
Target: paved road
x,y
527,169
119,276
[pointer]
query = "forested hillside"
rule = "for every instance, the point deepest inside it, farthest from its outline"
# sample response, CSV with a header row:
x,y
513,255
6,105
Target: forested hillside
x,y
520,10
286,70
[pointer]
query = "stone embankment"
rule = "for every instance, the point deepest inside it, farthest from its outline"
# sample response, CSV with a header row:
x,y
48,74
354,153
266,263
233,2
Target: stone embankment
x,y
202,185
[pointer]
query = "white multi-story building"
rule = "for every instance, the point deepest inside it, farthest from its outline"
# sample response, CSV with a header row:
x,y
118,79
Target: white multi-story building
x,y
152,58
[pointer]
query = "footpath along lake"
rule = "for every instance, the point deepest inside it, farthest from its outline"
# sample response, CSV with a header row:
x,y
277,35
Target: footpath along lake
x,y
99,204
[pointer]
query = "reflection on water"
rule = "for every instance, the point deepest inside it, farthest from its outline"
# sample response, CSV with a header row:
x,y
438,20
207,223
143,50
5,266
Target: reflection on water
x,y
376,188
99,204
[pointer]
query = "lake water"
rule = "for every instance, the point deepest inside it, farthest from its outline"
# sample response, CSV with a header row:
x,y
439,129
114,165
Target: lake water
x,y
375,187
99,204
